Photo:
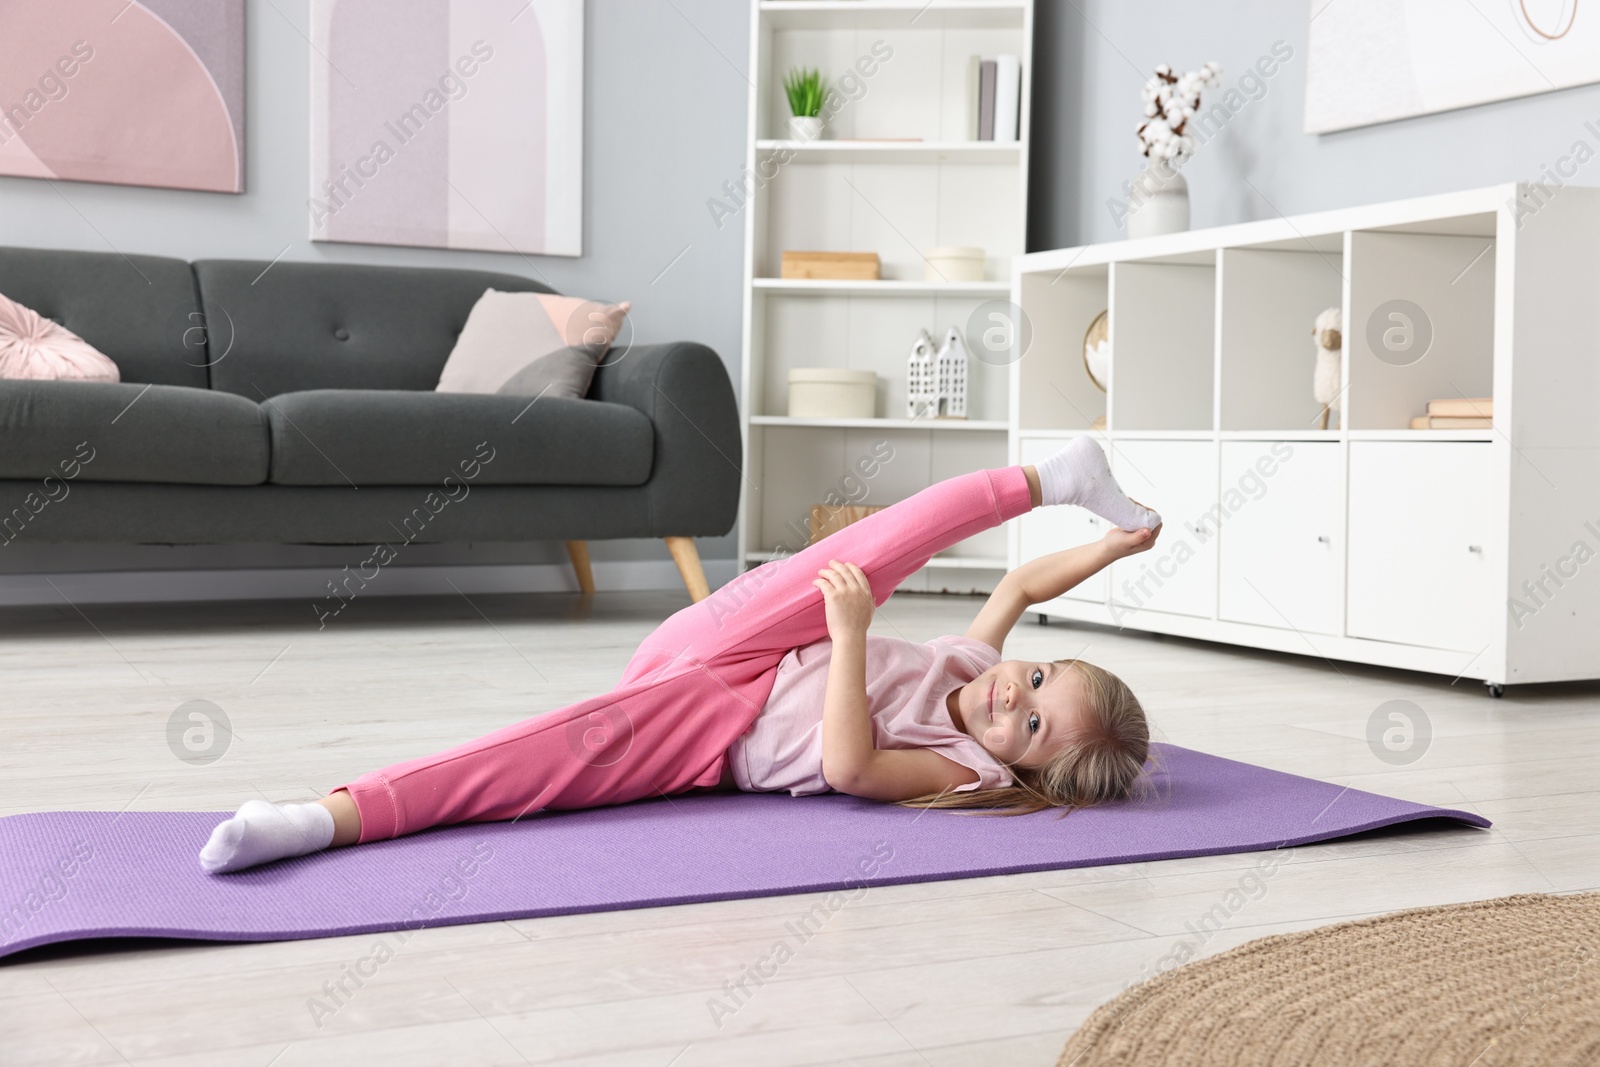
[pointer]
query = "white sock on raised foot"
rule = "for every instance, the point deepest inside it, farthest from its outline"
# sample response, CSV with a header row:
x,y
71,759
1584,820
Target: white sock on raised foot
x,y
262,832
1079,474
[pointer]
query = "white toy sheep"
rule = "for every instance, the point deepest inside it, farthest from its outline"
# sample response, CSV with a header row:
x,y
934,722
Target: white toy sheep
x,y
1329,334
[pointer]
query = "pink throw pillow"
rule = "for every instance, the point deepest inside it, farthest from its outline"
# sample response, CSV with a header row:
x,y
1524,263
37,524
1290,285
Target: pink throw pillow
x,y
32,346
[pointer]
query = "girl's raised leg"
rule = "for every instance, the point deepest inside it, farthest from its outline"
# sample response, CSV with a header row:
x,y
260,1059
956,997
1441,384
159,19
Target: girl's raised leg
x,y
774,607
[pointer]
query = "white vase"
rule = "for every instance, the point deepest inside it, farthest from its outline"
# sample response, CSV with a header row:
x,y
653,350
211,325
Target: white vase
x,y
805,127
1160,202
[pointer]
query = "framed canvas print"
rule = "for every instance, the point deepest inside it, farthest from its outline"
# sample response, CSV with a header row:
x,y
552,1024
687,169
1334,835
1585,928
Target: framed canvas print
x,y
148,92
448,124
1372,61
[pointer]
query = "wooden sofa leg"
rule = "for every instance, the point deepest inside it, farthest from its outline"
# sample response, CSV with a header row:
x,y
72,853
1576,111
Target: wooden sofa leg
x,y
687,557
578,552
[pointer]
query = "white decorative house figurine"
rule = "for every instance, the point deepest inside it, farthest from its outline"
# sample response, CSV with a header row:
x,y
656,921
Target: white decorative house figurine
x,y
922,383
951,368
1329,332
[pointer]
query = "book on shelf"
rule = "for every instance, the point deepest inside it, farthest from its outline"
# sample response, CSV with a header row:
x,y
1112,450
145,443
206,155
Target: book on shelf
x,y
1007,96
986,100
1479,408
994,98
1451,422
974,98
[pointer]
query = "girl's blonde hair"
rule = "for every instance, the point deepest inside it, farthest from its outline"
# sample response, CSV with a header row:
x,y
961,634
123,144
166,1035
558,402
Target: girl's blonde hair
x,y
1102,763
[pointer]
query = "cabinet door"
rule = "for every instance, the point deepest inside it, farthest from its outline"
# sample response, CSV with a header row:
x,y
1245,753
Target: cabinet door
x,y
1281,534
1179,574
1420,544
1046,530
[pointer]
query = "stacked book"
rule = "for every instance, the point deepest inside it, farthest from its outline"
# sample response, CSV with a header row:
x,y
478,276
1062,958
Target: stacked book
x,y
994,92
1457,414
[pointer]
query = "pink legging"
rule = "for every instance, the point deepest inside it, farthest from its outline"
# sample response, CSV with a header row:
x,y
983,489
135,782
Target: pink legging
x,y
693,687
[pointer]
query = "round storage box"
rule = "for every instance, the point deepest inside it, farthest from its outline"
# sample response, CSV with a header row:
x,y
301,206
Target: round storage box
x,y
832,393
953,263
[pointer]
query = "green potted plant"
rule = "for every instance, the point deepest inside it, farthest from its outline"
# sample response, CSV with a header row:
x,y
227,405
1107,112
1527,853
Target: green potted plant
x,y
806,91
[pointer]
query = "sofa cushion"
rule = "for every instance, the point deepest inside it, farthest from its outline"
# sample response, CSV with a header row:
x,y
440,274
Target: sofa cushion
x,y
126,432
142,311
531,344
364,437
287,327
34,347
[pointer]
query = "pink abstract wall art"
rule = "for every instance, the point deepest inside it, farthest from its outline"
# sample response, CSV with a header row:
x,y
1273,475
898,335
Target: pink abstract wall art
x,y
448,124
149,92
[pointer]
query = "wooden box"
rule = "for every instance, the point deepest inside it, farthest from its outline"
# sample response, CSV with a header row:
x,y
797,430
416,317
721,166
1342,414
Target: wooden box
x,y
836,266
828,518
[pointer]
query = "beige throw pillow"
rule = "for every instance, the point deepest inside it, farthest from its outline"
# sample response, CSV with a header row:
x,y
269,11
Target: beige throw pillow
x,y
531,344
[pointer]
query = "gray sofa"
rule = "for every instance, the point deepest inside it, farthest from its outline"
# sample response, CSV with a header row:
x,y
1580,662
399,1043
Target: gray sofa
x,y
294,403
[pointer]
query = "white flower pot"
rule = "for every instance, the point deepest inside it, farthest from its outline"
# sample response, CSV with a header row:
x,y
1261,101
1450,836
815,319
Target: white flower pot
x,y
805,127
1160,202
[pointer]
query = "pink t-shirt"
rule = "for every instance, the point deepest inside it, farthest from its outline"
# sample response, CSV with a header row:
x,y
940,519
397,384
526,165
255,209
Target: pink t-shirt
x,y
906,689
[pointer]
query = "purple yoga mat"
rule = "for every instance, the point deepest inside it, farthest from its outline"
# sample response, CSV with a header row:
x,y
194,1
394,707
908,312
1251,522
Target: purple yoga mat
x,y
66,875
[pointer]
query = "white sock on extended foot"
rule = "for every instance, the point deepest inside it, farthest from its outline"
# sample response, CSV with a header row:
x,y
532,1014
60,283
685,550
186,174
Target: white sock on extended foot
x,y
262,832
1079,474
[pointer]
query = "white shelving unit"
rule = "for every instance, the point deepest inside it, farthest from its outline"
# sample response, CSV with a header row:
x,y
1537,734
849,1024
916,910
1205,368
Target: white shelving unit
x,y
864,188
1467,553
892,14
805,286
918,425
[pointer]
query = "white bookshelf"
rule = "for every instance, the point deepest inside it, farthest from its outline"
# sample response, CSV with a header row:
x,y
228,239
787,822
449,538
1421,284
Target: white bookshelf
x,y
818,287
919,425
895,173
893,14
975,153
1371,542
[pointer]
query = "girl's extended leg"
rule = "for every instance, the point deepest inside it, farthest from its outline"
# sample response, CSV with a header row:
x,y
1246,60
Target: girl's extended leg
x,y
346,817
774,607
654,738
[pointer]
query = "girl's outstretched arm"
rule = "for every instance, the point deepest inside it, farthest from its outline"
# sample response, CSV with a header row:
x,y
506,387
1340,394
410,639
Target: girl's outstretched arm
x,y
1043,579
847,744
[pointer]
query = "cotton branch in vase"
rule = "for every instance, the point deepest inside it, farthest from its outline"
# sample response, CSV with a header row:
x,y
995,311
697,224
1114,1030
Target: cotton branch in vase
x,y
1170,101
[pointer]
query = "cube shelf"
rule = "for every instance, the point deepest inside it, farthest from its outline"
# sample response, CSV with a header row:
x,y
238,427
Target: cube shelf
x,y
1434,550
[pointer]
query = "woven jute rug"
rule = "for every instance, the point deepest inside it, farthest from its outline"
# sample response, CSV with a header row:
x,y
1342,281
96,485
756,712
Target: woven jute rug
x,y
1488,984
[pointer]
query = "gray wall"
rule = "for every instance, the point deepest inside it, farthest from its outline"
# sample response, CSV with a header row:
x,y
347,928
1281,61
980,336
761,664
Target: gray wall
x,y
1093,56
665,110
664,123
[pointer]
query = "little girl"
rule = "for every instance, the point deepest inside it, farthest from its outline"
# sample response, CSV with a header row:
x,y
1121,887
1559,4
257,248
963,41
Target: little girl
x,y
772,683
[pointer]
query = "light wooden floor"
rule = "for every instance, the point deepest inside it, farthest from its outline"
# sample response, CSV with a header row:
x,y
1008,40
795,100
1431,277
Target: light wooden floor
x,y
992,970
